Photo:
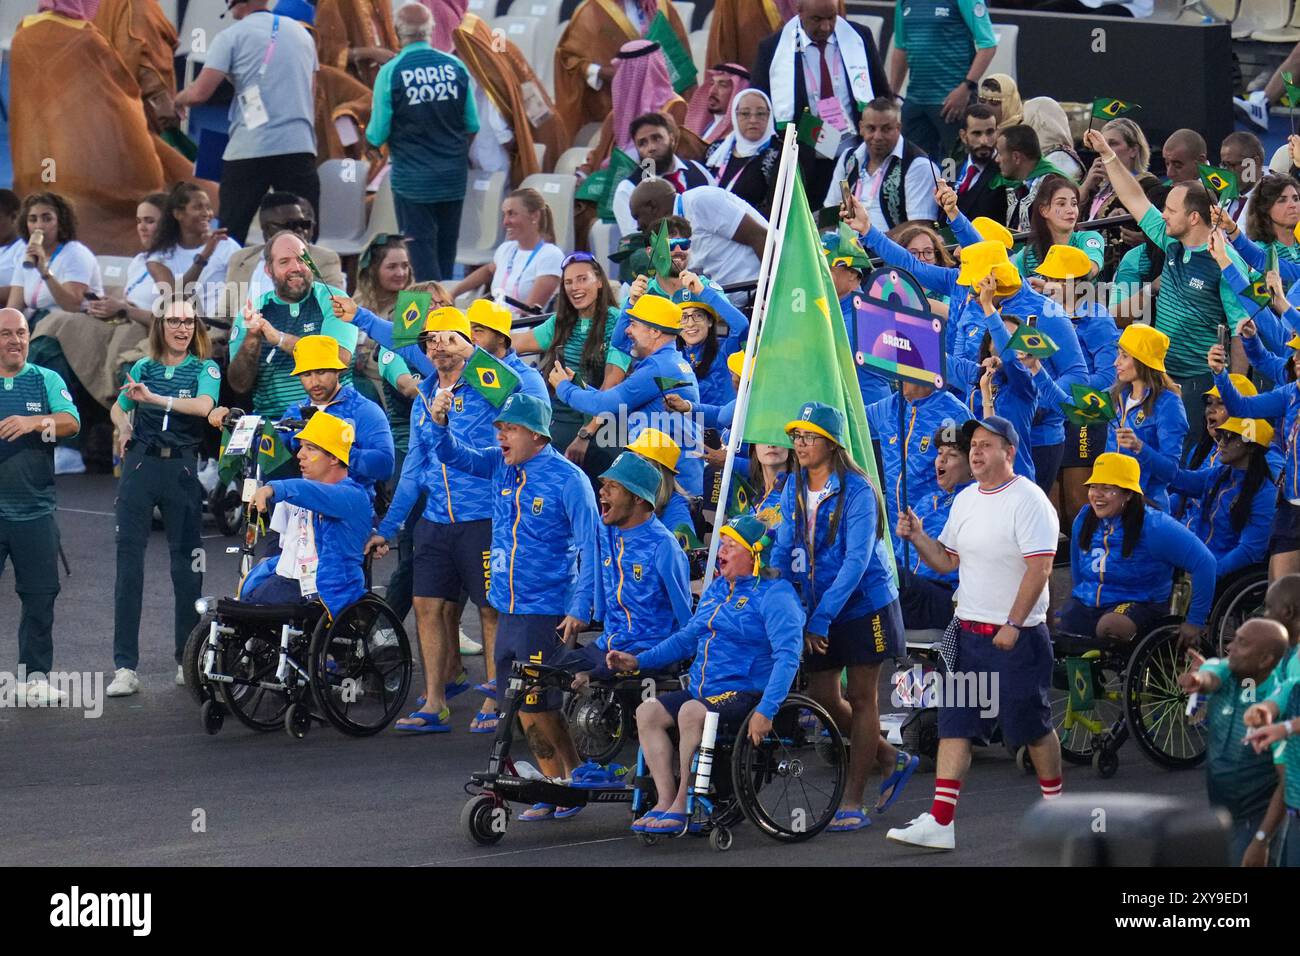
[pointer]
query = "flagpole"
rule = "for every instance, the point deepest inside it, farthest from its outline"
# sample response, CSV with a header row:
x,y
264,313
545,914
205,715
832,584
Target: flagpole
x,y
771,255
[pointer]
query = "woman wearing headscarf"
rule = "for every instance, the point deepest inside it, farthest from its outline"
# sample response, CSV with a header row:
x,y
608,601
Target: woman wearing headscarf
x,y
745,162
1000,94
1049,121
640,85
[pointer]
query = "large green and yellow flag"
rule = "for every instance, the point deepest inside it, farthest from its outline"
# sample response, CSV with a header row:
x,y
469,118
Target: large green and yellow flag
x,y
805,328
490,377
409,314
1106,108
1222,183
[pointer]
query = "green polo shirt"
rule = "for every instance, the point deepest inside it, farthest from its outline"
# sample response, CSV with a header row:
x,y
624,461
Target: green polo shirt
x,y
190,379
940,37
27,463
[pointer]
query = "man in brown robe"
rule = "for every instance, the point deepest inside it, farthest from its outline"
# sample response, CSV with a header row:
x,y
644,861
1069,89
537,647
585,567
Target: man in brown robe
x,y
106,158
146,41
583,55
356,35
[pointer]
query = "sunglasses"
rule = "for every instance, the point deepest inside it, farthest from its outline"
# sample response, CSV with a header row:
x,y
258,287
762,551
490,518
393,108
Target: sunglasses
x,y
293,225
573,257
679,244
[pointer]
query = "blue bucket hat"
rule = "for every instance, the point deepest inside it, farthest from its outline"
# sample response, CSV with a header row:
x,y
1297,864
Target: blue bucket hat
x,y
750,533
821,419
636,475
528,411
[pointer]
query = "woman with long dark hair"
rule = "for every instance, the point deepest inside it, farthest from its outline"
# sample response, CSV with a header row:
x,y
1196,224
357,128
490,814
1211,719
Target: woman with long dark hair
x,y
1150,423
1271,222
187,254
1123,554
55,271
578,336
703,306
1052,218
833,522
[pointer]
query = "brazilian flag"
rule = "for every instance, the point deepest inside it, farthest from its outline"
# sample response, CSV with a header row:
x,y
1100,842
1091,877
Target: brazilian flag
x,y
490,377
741,498
1078,416
1259,293
1091,400
271,453
685,536
661,252
1292,97
1031,341
409,316
1105,108
1221,182
310,263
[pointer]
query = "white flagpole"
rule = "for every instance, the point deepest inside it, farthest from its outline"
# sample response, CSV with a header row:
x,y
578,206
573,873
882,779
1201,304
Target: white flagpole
x,y
786,172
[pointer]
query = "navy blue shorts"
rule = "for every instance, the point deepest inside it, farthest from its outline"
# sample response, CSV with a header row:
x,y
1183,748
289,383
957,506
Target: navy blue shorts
x,y
1020,705
869,639
1286,529
732,707
1075,617
1083,443
450,560
532,639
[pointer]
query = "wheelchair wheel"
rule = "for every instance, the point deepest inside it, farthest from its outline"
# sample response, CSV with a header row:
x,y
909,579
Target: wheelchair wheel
x,y
211,715
1156,707
599,722
1242,600
252,657
360,667
484,821
790,785
192,660
1079,739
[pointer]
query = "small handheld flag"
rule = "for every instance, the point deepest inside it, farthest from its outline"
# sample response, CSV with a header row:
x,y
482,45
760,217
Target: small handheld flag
x,y
1221,182
661,256
1270,263
668,384
739,499
685,536
409,316
1092,401
1078,416
1292,96
681,67
1259,292
1033,342
311,264
490,377
1106,108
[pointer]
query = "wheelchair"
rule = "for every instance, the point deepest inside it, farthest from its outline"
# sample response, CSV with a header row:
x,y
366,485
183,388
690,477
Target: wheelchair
x,y
602,716
288,665
1239,597
789,786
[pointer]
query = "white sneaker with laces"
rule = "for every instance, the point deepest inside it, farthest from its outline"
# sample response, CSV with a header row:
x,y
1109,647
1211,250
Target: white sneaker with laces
x,y
927,832
180,676
468,646
39,693
125,683
68,461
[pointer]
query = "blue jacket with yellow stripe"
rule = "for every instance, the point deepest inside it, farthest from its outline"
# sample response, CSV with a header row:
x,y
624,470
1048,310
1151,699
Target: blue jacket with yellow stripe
x,y
1219,487
745,635
1282,402
1104,577
543,521
1161,433
844,579
341,515
453,495
643,591
372,456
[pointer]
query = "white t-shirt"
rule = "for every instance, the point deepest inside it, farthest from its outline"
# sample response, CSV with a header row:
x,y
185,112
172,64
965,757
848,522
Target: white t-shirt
x,y
179,259
11,258
715,215
993,532
297,539
518,269
72,262
139,288
918,186
488,150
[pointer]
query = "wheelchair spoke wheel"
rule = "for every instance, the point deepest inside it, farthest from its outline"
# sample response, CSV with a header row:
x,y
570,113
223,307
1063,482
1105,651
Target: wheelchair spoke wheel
x,y
252,658
790,785
599,722
192,660
360,667
1079,729
1242,602
1156,707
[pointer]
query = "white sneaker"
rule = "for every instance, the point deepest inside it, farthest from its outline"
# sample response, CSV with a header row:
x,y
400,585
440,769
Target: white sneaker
x,y
209,475
925,831
68,461
125,683
1254,108
180,676
468,646
39,693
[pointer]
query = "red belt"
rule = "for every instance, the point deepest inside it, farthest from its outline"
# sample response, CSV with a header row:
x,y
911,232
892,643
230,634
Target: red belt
x,y
978,627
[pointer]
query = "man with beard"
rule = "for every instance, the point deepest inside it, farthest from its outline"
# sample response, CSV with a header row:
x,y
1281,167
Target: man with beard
x,y
975,195
265,333
655,136
709,113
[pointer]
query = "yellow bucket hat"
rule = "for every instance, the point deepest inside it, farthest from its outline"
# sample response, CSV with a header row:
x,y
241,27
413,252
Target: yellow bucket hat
x,y
993,231
1065,262
447,319
1251,429
657,447
331,434
982,258
1149,346
1243,385
1294,342
656,311
490,315
1112,468
316,352
736,363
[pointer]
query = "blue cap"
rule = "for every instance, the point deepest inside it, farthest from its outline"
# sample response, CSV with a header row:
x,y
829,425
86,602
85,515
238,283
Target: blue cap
x,y
301,10
824,420
636,475
995,424
528,411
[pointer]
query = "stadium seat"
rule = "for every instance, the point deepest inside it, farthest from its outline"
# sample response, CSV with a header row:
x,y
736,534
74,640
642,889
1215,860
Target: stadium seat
x,y
700,50
11,14
558,193
485,9
1004,61
202,22
686,11
547,12
602,240
1256,16
587,136
1222,11
708,24
383,212
875,24
113,270
480,218
534,37
172,9
570,160
1289,33
343,206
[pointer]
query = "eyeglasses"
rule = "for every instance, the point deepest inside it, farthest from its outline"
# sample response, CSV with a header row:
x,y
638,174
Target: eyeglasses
x,y
573,257
925,255
753,114
175,322
293,225
695,317
805,438
682,244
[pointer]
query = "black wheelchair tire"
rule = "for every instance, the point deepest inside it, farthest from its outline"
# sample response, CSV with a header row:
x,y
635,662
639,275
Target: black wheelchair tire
x,y
323,682
1150,686
237,697
476,819
1248,588
192,659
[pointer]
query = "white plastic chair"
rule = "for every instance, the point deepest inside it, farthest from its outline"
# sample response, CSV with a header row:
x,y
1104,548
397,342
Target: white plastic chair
x,y
1289,33
587,136
875,24
343,206
383,211
558,193
1004,60
480,218
12,13
700,51
571,159
1256,16
547,13
112,270
686,11
1281,161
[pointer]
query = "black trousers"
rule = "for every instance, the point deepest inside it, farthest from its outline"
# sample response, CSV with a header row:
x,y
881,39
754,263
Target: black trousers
x,y
245,181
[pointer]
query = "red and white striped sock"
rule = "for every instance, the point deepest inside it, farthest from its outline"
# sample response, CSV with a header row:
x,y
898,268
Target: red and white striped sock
x,y
945,800
1051,788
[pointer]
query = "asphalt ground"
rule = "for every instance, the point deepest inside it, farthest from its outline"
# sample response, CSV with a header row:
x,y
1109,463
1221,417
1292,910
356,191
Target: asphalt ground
x,y
143,785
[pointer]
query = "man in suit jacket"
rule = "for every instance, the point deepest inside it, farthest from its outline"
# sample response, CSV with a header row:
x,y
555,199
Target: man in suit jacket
x,y
244,276
821,62
975,195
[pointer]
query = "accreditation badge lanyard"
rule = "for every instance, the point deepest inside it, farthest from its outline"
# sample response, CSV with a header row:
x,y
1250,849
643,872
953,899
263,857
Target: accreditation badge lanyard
x,y
251,104
270,47
829,107
505,282
307,557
